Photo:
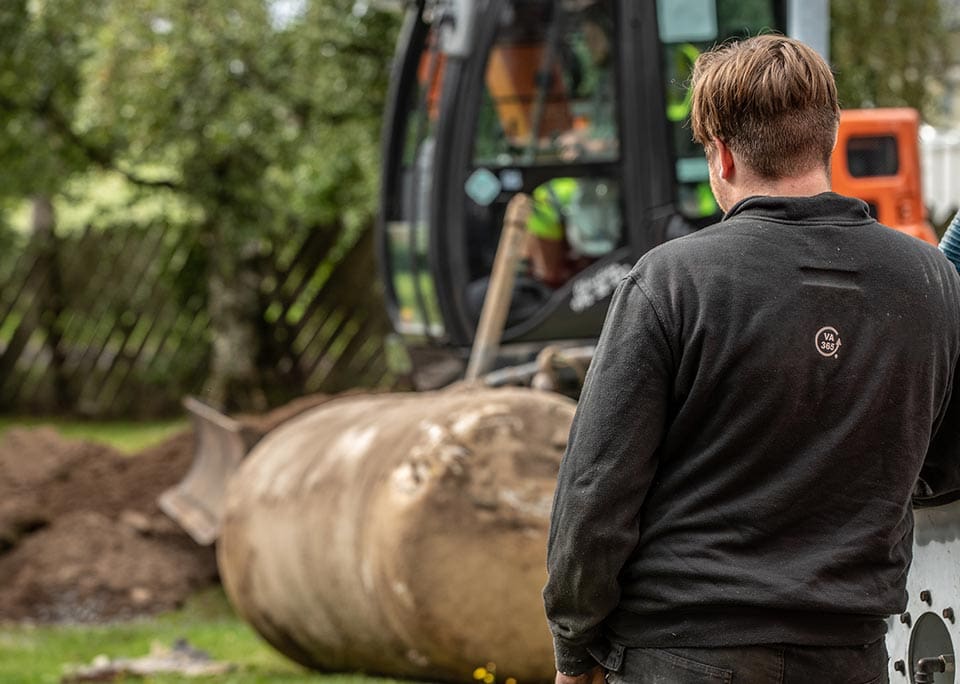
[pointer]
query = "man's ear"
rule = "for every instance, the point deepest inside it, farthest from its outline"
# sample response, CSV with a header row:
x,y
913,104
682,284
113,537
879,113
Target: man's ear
x,y
724,161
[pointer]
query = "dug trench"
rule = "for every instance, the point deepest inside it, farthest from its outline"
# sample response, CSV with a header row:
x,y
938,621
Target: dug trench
x,y
81,536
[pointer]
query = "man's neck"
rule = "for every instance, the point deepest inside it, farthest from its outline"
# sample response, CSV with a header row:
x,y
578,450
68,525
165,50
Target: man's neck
x,y
805,185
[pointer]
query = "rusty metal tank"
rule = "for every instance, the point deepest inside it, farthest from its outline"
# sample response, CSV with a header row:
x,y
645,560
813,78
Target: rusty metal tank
x,y
401,534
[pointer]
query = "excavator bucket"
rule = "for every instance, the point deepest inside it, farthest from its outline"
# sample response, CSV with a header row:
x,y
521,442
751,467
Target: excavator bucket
x,y
220,444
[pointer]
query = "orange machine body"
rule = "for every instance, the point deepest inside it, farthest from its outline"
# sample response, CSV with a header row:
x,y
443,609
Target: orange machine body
x,y
877,159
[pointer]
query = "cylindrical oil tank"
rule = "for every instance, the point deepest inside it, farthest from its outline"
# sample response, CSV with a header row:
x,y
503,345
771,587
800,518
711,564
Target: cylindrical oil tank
x,y
401,534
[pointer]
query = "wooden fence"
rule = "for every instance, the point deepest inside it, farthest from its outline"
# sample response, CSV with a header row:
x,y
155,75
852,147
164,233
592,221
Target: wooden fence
x,y
114,323
323,325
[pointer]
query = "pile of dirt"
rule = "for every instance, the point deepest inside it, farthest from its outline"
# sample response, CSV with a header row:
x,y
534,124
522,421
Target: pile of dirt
x,y
81,536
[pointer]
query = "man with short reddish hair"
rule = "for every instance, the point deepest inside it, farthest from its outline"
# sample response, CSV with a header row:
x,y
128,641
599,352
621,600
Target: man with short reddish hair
x,y
766,395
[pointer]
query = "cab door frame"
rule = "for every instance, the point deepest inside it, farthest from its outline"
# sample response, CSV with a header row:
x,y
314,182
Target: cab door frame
x,y
643,163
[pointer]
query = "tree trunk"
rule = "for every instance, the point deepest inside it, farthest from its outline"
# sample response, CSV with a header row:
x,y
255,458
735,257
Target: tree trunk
x,y
43,227
234,381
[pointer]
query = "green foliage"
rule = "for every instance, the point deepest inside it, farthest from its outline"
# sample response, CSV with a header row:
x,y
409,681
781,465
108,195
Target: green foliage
x,y
226,117
251,119
43,46
106,199
11,244
889,54
254,118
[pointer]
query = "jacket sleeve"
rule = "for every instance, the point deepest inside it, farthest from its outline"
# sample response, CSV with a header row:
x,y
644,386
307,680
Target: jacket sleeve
x,y
939,481
605,472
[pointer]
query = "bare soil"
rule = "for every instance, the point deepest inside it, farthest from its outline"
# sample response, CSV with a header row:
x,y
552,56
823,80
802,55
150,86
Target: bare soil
x,y
81,536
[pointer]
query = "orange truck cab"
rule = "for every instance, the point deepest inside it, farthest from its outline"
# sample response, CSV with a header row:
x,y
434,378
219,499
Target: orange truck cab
x,y
877,159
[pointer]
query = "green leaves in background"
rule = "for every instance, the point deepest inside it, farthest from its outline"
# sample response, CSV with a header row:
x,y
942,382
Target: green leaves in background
x,y
892,54
264,107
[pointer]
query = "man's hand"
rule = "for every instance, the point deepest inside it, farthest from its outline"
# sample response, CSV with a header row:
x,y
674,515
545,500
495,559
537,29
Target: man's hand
x,y
594,676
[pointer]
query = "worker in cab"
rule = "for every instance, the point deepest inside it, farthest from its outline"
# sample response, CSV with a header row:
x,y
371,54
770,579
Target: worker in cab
x,y
574,222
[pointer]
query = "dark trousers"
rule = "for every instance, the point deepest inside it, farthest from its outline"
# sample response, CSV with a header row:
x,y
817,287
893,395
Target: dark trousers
x,y
779,664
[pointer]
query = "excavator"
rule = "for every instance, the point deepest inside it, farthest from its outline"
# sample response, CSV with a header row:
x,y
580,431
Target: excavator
x,y
584,106
533,150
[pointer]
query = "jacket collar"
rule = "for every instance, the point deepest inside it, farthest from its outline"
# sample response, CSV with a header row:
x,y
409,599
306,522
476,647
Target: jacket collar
x,y
827,207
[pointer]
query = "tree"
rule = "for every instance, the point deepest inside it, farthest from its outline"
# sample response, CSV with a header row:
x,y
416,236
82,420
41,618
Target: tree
x,y
889,54
40,56
261,120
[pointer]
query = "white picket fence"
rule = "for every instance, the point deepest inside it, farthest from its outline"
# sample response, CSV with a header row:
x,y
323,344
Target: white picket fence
x,y
940,171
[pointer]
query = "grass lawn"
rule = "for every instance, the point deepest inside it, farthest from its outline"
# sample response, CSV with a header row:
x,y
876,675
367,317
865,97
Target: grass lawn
x,y
127,436
42,654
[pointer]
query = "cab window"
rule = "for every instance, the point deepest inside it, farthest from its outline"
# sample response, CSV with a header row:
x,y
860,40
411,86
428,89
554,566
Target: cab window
x,y
550,87
547,125
869,156
687,28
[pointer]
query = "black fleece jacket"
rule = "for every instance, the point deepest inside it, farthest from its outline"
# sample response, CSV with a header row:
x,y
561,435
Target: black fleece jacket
x,y
753,424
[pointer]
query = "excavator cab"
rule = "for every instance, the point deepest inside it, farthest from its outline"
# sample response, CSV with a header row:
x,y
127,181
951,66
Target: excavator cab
x,y
581,104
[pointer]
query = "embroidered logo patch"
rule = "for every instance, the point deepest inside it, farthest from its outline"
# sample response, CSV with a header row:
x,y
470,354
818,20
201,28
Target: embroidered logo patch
x,y
828,341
